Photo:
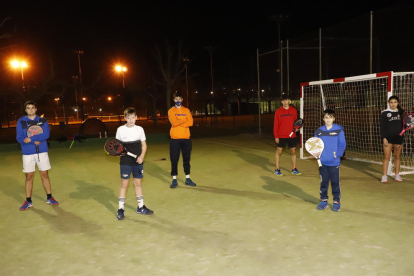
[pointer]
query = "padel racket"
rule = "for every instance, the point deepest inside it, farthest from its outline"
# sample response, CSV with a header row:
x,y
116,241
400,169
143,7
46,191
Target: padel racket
x,y
115,147
315,147
34,130
296,125
408,122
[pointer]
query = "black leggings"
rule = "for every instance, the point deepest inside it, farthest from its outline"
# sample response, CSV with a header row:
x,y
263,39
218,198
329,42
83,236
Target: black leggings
x,y
185,146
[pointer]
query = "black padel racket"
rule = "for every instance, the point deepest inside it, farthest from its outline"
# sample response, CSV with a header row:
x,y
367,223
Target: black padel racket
x,y
296,125
408,122
115,147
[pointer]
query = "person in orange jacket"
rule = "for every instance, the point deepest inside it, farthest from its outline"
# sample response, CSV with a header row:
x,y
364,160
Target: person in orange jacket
x,y
181,121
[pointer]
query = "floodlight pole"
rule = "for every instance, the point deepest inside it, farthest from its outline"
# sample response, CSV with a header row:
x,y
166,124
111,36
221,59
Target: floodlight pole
x,y
370,41
320,53
79,52
258,93
281,68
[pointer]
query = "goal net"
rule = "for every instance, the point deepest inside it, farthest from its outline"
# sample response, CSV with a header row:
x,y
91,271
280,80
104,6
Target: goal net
x,y
358,102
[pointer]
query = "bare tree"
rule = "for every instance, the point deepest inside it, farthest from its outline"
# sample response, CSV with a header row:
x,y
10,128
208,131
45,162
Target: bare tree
x,y
155,96
6,34
171,65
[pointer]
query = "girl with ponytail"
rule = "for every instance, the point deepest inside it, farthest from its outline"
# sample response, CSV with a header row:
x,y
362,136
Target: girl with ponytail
x,y
391,126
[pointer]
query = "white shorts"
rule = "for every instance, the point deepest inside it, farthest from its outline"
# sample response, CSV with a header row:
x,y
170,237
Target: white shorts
x,y
41,160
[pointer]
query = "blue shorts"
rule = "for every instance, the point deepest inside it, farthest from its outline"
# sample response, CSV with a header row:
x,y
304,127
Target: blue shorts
x,y
137,171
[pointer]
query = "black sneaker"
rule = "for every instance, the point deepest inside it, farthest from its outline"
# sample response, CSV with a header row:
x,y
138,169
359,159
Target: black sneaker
x,y
189,182
144,211
120,214
174,183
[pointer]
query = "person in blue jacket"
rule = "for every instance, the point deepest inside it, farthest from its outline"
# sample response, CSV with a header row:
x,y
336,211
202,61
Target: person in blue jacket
x,y
31,157
334,139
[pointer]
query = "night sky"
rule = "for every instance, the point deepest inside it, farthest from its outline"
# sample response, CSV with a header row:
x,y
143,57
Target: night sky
x,y
127,31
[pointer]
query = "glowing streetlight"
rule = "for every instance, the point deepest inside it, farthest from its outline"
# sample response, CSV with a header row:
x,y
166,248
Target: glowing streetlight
x,y
84,99
122,70
19,64
109,98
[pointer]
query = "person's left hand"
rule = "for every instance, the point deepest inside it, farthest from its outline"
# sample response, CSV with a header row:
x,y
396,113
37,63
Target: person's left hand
x,y
140,159
37,143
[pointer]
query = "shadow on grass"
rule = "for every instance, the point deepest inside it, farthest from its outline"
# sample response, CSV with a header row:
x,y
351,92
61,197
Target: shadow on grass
x,y
287,189
156,171
247,194
258,160
254,159
363,167
66,222
11,187
98,193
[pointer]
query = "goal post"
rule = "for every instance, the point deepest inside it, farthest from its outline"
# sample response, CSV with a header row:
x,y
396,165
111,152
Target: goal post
x,y
358,102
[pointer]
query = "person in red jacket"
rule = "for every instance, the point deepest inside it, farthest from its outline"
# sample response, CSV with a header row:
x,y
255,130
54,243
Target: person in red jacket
x,y
285,116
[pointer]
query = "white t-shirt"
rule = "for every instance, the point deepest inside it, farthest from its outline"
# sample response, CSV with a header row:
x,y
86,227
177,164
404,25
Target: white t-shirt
x,y
130,134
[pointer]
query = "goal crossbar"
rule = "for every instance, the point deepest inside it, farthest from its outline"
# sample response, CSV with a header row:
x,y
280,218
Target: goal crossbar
x,y
358,102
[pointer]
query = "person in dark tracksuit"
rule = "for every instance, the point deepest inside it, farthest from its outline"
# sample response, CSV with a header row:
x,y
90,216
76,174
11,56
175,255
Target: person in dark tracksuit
x,y
334,139
181,121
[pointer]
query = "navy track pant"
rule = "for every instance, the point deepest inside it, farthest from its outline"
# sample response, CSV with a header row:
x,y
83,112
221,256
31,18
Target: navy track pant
x,y
330,173
185,146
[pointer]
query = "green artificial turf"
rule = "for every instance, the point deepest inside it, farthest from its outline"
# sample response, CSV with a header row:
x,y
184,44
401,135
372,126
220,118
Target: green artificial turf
x,y
239,220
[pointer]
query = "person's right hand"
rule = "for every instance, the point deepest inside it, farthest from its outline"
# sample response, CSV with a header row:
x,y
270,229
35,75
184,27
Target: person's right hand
x,y
37,143
27,140
385,141
277,140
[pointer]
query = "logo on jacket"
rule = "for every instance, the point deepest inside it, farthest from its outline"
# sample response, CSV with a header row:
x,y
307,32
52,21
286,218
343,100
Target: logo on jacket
x,y
389,115
333,133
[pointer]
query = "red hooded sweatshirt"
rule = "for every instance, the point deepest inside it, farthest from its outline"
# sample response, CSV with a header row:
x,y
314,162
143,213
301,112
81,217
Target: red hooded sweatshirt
x,y
284,119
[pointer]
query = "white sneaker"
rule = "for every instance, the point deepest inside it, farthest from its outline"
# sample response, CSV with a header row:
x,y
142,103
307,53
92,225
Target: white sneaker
x,y
384,179
398,178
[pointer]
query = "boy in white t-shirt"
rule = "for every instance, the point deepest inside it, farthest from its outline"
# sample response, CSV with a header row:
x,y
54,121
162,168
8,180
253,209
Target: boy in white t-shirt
x,y
133,137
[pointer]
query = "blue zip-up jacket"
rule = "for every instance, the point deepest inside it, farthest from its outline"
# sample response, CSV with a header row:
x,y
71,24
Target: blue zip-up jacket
x,y
21,133
335,144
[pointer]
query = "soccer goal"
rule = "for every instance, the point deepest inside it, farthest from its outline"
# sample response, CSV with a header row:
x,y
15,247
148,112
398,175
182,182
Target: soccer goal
x,y
358,102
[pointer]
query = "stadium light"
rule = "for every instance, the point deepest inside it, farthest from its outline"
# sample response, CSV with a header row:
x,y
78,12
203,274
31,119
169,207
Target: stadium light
x,y
19,64
121,69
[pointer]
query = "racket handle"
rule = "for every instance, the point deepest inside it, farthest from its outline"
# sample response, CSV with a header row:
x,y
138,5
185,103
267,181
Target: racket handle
x,y
133,155
290,135
402,132
319,163
37,148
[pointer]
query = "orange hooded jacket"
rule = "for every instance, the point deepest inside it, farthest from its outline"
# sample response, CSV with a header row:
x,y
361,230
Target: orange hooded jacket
x,y
181,121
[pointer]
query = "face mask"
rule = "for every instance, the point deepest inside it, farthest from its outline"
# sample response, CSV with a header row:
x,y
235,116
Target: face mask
x,y
178,103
